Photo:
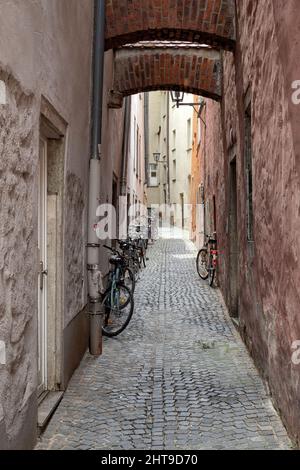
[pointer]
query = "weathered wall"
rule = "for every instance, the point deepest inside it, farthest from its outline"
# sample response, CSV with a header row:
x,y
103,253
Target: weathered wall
x,y
286,16
269,271
18,142
45,49
198,159
136,179
112,138
153,193
215,184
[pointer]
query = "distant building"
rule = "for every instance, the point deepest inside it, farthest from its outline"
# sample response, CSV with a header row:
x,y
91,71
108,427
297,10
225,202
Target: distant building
x,y
170,157
45,109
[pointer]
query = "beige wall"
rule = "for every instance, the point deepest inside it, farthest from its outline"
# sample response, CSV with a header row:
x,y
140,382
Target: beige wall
x,y
136,174
45,60
154,123
268,271
180,152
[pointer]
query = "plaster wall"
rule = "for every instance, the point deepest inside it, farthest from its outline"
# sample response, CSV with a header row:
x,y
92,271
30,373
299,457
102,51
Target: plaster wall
x,y
269,271
45,50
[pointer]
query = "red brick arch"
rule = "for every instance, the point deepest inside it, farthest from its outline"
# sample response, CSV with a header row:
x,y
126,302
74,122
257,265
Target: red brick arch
x,y
203,21
193,70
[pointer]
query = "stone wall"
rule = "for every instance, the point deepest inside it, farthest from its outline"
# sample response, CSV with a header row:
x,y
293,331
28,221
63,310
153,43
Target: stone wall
x,y
269,269
45,52
18,255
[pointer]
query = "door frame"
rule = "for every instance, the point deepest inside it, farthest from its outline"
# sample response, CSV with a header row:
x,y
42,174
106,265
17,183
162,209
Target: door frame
x,y
53,129
233,237
42,260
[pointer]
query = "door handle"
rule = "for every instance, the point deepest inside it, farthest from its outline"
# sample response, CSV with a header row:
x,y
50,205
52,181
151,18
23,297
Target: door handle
x,y
43,272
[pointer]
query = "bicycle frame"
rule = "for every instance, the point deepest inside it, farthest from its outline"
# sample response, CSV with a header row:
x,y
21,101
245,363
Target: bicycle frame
x,y
113,288
212,253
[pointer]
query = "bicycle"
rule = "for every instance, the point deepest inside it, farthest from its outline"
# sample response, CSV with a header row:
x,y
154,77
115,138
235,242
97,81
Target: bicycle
x,y
207,260
131,254
118,299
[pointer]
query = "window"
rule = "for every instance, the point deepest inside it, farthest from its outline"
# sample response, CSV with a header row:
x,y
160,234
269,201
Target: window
x,y
189,134
137,150
174,176
249,173
174,140
140,158
134,145
153,177
199,131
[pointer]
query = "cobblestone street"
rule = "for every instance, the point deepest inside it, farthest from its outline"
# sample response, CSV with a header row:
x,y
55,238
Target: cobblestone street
x,y
179,377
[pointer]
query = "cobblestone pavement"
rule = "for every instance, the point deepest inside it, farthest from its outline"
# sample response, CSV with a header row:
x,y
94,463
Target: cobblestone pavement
x,y
179,377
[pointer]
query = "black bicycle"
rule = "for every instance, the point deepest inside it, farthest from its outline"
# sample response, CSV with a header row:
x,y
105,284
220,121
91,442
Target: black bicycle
x,y
130,253
118,299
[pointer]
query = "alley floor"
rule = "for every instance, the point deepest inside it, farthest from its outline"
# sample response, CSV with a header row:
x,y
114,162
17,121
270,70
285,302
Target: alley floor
x,y
179,377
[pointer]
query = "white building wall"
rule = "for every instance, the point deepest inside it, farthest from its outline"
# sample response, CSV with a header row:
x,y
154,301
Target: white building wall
x,y
136,157
174,181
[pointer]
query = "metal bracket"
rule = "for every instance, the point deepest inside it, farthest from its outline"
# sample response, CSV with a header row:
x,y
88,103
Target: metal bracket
x,y
93,267
95,300
197,111
93,245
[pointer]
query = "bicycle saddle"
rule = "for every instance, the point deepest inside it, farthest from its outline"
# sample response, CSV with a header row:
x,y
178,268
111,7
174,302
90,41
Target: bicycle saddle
x,y
116,260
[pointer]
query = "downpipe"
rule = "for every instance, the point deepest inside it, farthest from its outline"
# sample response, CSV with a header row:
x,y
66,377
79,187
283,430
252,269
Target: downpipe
x,y
93,268
94,275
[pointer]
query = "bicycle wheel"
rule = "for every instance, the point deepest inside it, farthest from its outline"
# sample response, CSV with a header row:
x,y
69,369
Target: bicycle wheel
x,y
133,265
128,279
119,306
202,264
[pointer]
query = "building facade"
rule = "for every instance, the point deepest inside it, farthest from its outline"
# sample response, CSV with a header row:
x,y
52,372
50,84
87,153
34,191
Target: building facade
x,y
136,175
45,125
251,182
170,157
44,170
243,168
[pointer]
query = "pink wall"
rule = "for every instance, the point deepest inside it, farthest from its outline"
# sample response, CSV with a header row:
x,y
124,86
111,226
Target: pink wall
x,y
269,271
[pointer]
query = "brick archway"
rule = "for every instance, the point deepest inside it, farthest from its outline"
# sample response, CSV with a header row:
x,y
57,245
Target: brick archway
x,y
201,21
191,69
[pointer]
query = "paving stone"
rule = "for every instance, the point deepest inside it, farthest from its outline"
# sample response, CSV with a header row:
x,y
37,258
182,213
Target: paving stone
x,y
179,377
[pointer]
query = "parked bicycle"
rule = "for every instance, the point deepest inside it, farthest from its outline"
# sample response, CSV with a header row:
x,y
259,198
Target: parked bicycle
x,y
118,299
132,254
207,260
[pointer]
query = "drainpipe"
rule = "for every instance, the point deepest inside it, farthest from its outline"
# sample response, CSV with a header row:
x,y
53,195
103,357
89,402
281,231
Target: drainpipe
x,y
93,247
146,130
168,149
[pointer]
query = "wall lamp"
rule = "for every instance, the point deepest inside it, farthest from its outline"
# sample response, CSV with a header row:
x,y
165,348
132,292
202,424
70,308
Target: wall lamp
x,y
177,98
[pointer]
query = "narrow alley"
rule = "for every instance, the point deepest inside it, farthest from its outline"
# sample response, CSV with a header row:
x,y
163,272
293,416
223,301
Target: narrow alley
x,y
179,377
168,123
